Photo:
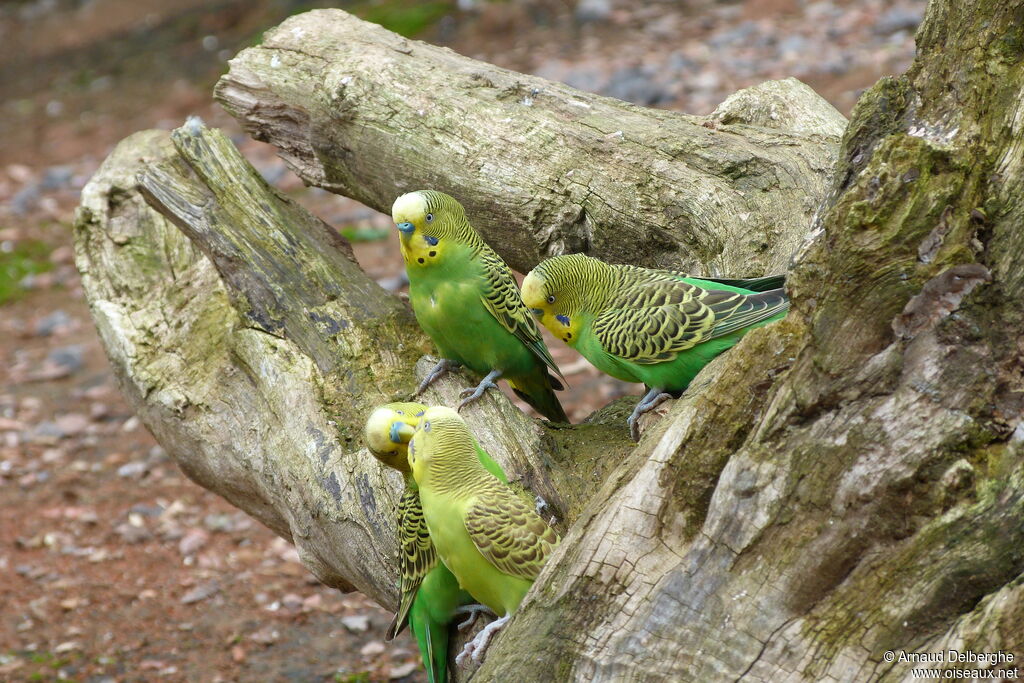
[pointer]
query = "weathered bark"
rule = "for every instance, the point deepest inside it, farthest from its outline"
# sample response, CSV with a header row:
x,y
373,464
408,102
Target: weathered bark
x,y
360,111
842,483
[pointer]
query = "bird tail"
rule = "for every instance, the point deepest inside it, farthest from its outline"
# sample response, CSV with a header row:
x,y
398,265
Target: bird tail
x,y
432,639
751,284
538,389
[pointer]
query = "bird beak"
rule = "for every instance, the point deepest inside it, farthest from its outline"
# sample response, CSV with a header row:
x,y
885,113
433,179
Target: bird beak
x,y
401,432
406,228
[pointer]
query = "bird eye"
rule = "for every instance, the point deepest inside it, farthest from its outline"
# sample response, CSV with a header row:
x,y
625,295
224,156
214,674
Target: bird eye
x,y
426,426
430,217
551,299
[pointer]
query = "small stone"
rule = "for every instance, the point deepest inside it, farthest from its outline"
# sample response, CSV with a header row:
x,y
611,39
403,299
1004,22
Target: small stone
x,y
72,604
593,10
72,424
267,635
402,670
70,357
898,19
218,522
356,623
133,470
57,177
146,510
292,602
192,541
69,646
201,592
372,648
54,322
133,534
10,425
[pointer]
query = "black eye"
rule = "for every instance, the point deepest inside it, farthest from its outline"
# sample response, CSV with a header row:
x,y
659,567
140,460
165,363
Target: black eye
x,y
430,217
551,299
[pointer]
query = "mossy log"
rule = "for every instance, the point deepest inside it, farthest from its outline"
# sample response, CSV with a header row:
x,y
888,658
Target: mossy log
x,y
842,484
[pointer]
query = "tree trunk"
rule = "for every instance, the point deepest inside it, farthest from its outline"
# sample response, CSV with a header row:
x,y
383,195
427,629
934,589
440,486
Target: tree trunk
x,y
842,484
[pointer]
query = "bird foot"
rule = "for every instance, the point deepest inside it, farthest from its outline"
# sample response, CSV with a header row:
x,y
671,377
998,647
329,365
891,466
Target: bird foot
x,y
473,611
651,400
474,649
470,395
540,505
436,373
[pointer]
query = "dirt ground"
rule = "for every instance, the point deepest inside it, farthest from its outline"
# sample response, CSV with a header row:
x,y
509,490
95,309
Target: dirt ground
x,y
113,565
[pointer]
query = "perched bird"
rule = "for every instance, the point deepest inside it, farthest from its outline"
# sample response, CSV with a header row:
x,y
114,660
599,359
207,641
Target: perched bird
x,y
466,300
640,325
492,541
430,593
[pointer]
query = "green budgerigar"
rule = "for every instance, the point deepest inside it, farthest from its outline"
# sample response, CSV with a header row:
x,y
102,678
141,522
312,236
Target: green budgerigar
x,y
430,593
492,541
467,301
658,327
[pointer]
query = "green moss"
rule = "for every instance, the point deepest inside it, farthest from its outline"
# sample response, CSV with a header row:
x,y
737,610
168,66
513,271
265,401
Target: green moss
x,y
363,234
17,260
404,18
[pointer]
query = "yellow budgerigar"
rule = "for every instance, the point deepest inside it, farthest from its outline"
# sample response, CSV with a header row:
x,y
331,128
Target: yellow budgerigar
x,y
492,541
467,301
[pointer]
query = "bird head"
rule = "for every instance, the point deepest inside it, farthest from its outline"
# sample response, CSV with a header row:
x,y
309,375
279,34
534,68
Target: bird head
x,y
442,438
555,291
388,431
428,223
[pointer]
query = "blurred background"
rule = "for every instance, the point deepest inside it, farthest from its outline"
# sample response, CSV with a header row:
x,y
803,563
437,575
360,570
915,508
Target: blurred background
x,y
113,566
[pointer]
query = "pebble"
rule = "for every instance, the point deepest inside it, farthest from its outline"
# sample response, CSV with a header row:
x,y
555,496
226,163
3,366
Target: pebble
x,y
593,10
201,592
133,534
402,670
72,424
70,357
899,19
58,320
192,541
57,177
133,470
356,623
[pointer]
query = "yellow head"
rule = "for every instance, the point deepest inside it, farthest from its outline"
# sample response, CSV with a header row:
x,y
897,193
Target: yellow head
x,y
555,300
429,222
388,431
443,449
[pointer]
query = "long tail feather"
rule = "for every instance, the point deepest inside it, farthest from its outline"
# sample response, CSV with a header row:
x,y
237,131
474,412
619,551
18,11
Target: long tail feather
x,y
538,392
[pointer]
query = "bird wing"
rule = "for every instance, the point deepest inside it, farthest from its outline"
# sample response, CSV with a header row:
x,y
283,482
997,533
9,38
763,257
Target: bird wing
x,y
502,299
508,533
655,315
416,555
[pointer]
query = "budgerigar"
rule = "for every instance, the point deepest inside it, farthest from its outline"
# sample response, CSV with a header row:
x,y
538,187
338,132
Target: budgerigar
x,y
493,542
467,301
430,594
640,325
